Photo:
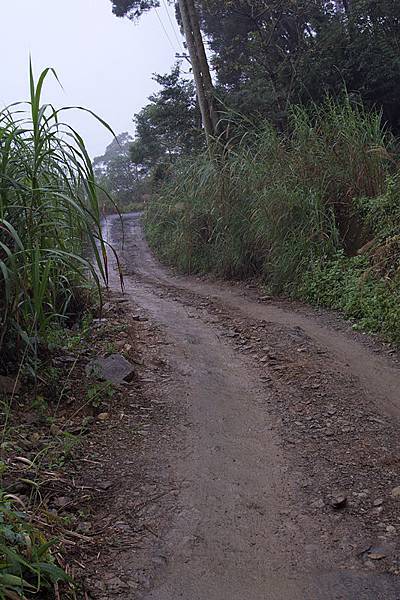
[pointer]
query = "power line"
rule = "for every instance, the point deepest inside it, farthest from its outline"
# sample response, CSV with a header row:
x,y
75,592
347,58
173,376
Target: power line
x,y
165,31
172,24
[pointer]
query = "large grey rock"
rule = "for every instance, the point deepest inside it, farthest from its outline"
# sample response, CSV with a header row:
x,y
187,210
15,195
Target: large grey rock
x,y
114,368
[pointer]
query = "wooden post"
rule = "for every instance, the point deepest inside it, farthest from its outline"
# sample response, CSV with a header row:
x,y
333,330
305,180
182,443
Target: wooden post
x,y
201,72
202,56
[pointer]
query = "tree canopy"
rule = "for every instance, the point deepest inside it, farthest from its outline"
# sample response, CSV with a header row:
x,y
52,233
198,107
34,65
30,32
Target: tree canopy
x,y
268,54
132,8
116,173
169,126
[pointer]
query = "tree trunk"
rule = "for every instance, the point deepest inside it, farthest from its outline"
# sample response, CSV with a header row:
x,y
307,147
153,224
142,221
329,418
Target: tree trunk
x,y
196,50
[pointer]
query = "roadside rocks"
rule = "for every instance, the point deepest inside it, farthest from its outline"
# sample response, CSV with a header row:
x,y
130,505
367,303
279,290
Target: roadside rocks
x,y
338,501
103,416
114,368
319,504
376,553
395,493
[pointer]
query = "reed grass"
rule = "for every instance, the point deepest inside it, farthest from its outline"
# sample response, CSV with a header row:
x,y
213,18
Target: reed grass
x,y
283,206
49,211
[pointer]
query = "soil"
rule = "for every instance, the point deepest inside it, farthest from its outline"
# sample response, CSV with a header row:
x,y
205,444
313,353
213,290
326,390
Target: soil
x,y
254,457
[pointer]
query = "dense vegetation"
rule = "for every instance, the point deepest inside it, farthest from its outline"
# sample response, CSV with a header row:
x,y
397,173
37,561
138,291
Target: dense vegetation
x,y
314,212
48,211
271,54
49,223
301,186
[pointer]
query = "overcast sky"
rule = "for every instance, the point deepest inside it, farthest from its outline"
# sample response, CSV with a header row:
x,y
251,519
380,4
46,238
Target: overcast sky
x,y
104,63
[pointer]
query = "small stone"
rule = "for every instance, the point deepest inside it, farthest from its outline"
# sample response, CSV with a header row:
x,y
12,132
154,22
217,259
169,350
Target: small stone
x,y
376,554
160,560
338,501
9,385
61,501
395,493
361,494
114,368
98,322
390,529
35,438
55,430
115,584
318,503
103,416
377,420
84,527
87,422
378,502
105,485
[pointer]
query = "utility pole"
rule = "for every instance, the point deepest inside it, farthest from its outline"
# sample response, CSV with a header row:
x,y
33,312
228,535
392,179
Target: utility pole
x,y
201,70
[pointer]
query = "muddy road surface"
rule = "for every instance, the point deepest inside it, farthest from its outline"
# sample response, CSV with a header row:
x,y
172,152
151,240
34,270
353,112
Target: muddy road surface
x,y
285,458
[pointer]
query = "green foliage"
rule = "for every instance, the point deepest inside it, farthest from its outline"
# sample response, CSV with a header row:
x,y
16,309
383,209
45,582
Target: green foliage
x,y
120,179
48,211
269,54
365,287
294,209
166,129
98,392
169,126
349,285
27,567
132,8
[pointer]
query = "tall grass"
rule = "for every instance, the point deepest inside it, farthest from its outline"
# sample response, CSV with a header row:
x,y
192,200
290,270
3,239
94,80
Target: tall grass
x,y
279,206
273,203
48,211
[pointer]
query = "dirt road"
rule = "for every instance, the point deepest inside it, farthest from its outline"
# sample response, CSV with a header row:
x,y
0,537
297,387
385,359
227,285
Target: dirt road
x,y
286,452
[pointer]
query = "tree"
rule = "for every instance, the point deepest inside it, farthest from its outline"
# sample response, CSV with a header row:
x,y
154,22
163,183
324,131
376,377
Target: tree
x,y
133,8
268,54
116,172
189,19
169,126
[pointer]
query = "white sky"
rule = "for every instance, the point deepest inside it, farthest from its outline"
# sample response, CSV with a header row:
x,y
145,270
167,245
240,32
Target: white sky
x,y
104,63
